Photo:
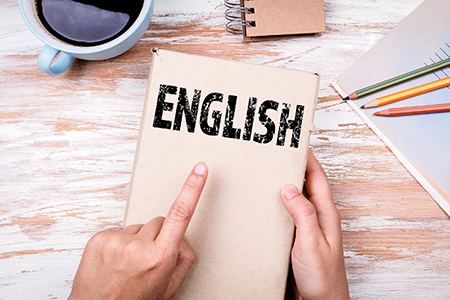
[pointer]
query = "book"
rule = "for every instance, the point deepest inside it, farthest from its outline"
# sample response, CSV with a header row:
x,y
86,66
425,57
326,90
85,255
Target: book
x,y
421,142
262,19
251,125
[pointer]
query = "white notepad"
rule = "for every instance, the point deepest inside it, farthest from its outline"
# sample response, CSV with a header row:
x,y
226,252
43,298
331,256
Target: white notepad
x,y
421,142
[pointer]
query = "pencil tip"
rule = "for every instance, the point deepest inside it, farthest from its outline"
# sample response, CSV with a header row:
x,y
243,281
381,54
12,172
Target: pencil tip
x,y
346,98
377,113
353,96
363,106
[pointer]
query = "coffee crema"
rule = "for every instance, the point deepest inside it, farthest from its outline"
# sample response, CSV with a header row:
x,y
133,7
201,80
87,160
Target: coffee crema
x,y
88,22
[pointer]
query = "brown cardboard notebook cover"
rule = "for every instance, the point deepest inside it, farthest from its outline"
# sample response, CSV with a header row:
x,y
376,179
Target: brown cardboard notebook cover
x,y
251,125
283,18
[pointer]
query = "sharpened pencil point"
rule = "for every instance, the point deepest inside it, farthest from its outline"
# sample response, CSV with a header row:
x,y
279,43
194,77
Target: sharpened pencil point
x,y
363,106
346,98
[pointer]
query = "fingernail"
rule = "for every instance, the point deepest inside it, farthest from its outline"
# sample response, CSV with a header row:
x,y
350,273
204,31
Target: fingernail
x,y
200,169
289,191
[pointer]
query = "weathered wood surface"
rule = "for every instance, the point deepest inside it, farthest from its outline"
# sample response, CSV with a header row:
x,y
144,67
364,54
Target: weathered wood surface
x,y
67,146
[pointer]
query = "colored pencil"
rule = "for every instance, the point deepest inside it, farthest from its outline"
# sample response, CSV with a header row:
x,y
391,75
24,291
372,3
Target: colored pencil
x,y
424,88
425,109
398,79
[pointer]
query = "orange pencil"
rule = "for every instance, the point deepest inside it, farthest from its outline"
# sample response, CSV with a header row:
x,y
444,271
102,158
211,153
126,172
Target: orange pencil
x,y
425,109
424,88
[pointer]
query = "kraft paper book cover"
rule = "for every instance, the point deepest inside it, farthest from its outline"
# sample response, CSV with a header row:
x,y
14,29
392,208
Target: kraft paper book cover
x,y
251,125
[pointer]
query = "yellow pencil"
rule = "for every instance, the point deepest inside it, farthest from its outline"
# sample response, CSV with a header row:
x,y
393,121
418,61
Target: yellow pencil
x,y
409,93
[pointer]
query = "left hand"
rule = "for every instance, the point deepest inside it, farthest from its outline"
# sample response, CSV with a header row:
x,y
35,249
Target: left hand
x,y
141,261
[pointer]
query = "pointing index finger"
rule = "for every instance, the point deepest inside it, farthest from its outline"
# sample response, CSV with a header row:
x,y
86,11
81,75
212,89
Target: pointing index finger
x,y
182,209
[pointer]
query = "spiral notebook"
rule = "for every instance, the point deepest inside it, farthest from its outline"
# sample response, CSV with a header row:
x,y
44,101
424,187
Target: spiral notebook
x,y
265,19
251,125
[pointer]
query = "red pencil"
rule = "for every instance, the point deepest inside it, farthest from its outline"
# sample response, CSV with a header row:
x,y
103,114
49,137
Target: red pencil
x,y
414,110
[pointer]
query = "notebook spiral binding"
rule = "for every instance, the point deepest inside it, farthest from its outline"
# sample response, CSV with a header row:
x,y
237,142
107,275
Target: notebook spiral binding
x,y
233,15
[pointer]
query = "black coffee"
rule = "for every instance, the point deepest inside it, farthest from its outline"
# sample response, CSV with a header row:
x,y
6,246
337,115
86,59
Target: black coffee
x,y
88,22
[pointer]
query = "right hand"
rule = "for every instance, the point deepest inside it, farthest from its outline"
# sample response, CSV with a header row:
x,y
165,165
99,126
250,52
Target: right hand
x,y
317,254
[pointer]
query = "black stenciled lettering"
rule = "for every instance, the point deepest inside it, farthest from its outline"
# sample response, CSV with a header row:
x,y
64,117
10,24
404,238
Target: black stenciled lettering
x,y
266,121
295,125
162,106
228,130
249,119
190,112
216,115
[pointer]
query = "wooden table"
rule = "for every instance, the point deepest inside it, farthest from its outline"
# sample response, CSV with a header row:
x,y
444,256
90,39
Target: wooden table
x,y
67,145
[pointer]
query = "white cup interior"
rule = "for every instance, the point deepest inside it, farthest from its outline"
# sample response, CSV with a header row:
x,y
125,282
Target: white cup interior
x,y
30,10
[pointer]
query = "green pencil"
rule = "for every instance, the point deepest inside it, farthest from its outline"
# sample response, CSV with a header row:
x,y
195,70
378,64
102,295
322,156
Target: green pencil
x,y
398,79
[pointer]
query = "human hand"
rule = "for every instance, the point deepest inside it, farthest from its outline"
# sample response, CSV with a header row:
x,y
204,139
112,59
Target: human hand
x,y
142,261
317,255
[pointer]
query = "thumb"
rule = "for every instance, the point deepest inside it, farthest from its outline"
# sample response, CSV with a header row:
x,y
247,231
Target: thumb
x,y
302,211
184,262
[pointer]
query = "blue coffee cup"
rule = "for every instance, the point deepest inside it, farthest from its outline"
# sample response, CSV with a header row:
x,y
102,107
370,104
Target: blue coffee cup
x,y
49,61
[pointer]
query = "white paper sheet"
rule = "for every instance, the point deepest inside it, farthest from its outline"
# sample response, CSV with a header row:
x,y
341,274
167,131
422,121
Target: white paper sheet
x,y
421,142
